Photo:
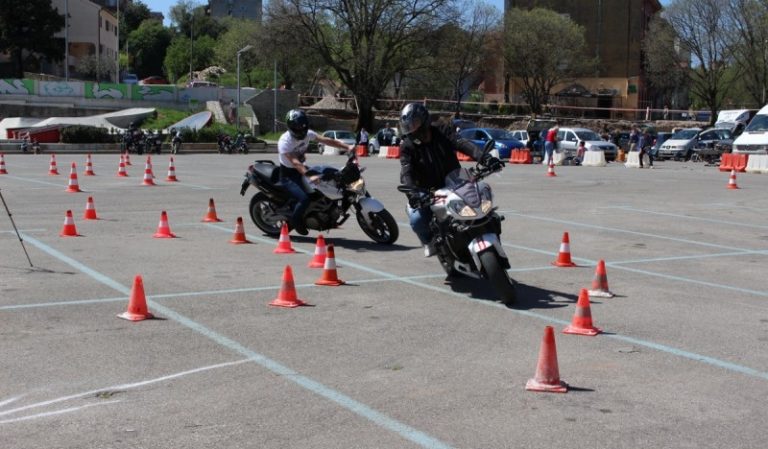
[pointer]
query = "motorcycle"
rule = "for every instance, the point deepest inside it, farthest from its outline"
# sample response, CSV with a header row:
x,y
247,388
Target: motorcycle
x,y
155,142
334,194
175,144
225,144
466,228
240,144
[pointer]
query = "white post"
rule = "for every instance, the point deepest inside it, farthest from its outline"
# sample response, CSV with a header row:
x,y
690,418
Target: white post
x,y
66,40
274,100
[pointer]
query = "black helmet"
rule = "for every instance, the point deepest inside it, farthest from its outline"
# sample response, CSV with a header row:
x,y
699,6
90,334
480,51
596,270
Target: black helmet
x,y
413,117
298,123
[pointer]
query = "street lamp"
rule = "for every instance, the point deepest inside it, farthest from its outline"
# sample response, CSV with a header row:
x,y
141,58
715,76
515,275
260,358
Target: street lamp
x,y
237,107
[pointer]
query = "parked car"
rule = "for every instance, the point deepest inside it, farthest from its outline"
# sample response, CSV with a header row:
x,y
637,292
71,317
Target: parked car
x,y
568,142
155,79
347,137
374,144
754,139
504,142
520,134
460,124
130,78
661,137
713,142
680,145
537,131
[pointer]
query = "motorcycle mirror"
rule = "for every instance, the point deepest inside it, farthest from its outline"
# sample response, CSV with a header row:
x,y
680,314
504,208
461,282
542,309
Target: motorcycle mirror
x,y
405,189
488,146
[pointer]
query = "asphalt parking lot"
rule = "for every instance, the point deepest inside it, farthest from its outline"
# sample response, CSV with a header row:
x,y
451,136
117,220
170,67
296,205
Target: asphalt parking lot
x,y
398,357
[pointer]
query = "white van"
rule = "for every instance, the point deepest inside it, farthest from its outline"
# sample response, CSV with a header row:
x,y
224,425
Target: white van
x,y
754,139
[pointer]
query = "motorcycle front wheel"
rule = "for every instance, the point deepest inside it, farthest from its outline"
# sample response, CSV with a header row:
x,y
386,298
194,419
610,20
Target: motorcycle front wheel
x,y
264,216
383,227
504,286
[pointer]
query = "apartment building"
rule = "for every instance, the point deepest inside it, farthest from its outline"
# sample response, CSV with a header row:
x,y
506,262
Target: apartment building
x,y
615,31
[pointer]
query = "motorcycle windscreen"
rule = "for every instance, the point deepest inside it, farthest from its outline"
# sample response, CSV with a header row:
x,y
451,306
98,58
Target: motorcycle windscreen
x,y
460,181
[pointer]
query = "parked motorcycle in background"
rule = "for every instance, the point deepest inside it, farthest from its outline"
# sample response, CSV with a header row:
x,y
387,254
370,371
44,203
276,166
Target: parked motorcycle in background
x,y
335,193
175,141
225,143
466,228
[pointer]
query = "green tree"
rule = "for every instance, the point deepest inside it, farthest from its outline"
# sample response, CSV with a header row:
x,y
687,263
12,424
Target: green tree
x,y
365,42
239,34
30,25
542,49
182,54
190,19
132,14
97,68
147,45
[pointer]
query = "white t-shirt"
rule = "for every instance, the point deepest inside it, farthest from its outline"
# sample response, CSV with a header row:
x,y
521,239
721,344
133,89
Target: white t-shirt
x,y
287,145
363,136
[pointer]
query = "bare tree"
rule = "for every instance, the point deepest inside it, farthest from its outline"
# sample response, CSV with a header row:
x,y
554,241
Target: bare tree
x,y
750,23
543,49
365,42
701,40
666,65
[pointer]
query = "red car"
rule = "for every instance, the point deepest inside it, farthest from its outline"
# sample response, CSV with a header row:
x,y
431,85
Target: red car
x,y
154,80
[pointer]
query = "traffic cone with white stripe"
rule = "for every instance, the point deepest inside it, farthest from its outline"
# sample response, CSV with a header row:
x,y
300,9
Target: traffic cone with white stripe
x,y
149,177
547,378
551,170
600,282
137,304
732,181
581,324
69,229
127,159
52,169
284,244
121,168
287,296
564,256
210,216
89,166
3,171
239,236
73,186
329,276
171,172
163,229
90,210
318,260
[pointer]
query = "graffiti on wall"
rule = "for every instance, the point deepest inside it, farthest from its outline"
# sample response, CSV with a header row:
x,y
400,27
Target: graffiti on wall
x,y
106,90
16,87
60,89
153,93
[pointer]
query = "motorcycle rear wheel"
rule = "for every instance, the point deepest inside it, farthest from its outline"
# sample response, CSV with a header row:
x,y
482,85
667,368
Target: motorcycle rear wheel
x,y
263,216
504,286
383,228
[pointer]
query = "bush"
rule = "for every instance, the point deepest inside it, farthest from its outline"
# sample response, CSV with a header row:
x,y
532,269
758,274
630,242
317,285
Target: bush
x,y
86,134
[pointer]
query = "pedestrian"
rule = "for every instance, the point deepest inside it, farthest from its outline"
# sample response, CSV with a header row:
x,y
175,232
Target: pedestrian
x,y
362,137
580,152
634,135
550,141
644,142
666,112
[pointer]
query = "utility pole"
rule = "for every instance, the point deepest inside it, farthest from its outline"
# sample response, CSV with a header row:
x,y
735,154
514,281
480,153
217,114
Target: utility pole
x,y
117,57
66,40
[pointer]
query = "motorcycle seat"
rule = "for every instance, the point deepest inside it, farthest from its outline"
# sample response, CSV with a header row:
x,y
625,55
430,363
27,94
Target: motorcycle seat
x,y
268,172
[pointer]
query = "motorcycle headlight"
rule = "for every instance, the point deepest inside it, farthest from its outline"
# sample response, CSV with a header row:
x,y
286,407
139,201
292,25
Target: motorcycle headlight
x,y
460,208
486,206
357,186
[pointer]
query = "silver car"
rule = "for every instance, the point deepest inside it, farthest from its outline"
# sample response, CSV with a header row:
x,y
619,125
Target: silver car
x,y
680,145
347,137
568,142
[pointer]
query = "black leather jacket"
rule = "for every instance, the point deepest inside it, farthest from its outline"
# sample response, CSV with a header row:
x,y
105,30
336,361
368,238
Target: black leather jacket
x,y
426,165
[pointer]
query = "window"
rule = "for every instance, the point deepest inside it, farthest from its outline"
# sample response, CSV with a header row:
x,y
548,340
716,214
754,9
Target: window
x,y
106,25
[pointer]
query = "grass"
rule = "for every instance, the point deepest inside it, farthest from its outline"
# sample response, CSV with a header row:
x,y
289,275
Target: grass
x,y
164,118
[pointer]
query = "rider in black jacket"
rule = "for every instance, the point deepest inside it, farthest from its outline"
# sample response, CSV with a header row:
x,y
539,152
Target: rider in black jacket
x,y
427,155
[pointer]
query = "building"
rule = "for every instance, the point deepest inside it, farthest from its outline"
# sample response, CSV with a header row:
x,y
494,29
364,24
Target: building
x,y
241,9
92,32
616,30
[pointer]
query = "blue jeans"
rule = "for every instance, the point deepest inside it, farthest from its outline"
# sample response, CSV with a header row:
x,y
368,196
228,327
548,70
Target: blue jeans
x,y
419,219
549,148
295,184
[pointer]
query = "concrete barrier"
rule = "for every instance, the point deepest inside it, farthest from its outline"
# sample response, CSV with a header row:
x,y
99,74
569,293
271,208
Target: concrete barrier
x,y
594,159
757,163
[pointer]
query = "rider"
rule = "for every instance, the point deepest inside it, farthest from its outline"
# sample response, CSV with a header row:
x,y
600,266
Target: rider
x,y
427,155
291,148
175,140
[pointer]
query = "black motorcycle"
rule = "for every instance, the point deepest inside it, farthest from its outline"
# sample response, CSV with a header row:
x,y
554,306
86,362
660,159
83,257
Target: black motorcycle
x,y
225,144
335,193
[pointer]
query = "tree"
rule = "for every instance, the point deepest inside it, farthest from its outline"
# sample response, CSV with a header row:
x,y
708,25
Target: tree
x,y
240,32
702,43
665,66
148,45
30,25
750,22
97,68
542,49
181,56
132,14
365,42
190,19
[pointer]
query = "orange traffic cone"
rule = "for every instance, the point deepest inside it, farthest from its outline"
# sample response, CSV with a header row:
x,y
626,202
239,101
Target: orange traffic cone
x,y
551,170
547,378
318,260
210,216
600,282
73,187
287,296
239,236
732,180
137,304
2,165
581,324
89,166
171,172
121,168
127,158
163,229
329,276
564,257
69,229
90,210
52,169
149,177
284,244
